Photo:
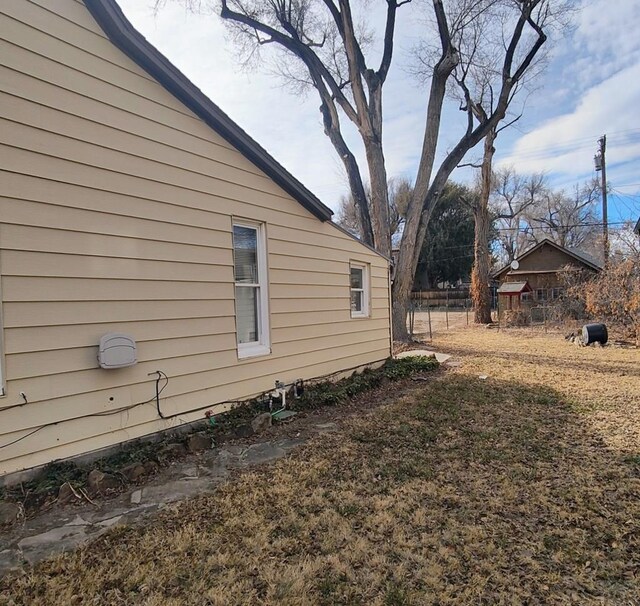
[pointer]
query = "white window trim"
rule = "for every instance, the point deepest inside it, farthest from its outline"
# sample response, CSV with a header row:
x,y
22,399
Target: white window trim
x,y
262,347
366,291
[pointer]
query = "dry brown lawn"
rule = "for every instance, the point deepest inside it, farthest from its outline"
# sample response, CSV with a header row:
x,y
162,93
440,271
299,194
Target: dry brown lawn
x,y
603,384
522,488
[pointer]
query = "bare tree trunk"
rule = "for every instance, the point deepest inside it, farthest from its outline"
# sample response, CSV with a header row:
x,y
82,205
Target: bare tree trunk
x,y
411,242
332,130
379,196
480,292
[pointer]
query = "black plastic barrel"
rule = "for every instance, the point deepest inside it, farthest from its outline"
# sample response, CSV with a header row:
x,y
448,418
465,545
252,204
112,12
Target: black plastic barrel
x,y
594,333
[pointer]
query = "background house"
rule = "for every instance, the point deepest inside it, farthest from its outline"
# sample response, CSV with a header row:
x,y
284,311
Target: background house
x,y
130,204
535,274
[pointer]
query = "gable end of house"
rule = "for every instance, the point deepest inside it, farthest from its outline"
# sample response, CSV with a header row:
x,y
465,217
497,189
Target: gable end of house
x,y
126,38
570,254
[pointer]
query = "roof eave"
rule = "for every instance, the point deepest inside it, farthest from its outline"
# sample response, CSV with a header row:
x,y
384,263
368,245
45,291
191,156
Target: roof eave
x,y
124,36
359,241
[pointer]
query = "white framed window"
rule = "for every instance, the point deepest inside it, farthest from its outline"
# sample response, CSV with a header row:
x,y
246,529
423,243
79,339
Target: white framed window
x,y
526,296
541,294
251,290
359,283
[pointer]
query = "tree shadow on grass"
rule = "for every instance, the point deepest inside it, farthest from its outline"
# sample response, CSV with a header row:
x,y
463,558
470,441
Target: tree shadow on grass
x,y
523,504
602,367
459,492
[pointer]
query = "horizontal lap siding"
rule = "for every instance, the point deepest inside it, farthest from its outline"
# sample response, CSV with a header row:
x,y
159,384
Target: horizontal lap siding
x,y
116,206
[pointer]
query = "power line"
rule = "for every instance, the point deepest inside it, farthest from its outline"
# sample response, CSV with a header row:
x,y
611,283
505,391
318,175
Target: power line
x,y
554,152
570,145
619,197
547,228
624,195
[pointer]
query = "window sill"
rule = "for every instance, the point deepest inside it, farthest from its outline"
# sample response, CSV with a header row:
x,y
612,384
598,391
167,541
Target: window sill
x,y
359,316
253,351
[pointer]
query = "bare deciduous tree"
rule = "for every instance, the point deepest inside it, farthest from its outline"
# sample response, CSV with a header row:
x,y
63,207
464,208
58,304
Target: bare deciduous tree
x,y
522,35
476,77
569,220
625,243
528,210
325,48
512,196
400,192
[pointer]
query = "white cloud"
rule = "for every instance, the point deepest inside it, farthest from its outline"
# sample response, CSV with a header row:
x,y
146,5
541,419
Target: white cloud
x,y
565,145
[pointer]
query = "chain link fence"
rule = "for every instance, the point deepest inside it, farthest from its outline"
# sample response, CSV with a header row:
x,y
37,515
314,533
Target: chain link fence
x,y
443,310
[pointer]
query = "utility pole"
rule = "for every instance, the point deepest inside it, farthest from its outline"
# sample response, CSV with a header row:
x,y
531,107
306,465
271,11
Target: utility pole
x,y
601,165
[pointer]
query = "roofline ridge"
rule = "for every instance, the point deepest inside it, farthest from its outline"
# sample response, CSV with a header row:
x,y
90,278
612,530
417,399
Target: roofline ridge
x,y
132,43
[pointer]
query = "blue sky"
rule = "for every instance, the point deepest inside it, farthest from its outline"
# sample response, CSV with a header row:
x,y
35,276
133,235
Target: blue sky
x,y
591,87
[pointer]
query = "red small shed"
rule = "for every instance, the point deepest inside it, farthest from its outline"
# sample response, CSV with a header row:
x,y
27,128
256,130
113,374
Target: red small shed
x,y
513,290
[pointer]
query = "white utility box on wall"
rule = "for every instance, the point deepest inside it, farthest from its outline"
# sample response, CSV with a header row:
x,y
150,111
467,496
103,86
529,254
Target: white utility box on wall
x,y
116,350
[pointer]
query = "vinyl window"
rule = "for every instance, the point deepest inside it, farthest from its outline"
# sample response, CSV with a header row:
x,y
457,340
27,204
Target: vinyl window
x,y
359,290
251,293
541,294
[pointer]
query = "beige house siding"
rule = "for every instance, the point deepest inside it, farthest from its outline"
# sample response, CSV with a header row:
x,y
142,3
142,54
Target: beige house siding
x,y
116,207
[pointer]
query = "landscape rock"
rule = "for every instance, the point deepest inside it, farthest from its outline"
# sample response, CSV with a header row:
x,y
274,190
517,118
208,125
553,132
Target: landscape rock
x,y
67,493
291,443
77,521
198,442
9,513
173,451
261,422
109,522
244,431
234,449
257,454
150,467
134,472
91,523
45,544
101,482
